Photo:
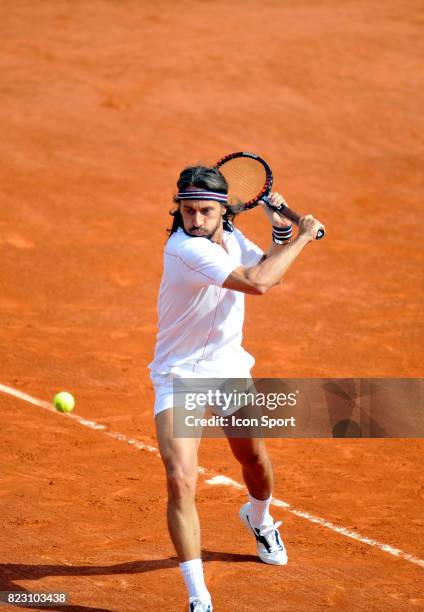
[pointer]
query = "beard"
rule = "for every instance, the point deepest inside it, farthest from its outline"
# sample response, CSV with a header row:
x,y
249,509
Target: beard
x,y
199,232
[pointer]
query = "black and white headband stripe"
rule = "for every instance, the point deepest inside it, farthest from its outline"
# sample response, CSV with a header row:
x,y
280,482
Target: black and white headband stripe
x,y
203,195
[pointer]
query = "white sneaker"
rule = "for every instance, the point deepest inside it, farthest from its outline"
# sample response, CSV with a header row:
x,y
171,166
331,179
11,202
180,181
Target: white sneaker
x,y
199,605
269,545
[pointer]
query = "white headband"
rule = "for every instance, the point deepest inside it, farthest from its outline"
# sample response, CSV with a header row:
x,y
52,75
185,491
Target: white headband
x,y
203,195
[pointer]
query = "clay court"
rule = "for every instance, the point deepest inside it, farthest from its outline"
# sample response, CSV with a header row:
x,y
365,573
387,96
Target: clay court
x,y
102,104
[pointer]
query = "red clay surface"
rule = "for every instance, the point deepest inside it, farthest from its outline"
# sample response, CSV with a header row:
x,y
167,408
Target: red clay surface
x,y
102,104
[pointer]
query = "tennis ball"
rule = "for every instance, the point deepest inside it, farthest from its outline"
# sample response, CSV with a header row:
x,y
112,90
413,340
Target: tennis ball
x,y
63,402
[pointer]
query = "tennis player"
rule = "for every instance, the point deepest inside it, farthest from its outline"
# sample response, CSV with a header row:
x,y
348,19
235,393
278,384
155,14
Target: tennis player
x,y
208,267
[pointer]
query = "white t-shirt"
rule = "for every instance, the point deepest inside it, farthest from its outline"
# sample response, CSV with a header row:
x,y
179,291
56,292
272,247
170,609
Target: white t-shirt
x,y
200,322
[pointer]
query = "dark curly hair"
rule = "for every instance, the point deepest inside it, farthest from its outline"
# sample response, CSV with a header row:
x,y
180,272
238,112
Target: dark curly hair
x,y
203,177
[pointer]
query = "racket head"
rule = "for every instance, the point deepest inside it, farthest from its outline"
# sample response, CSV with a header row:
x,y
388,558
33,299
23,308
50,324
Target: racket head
x,y
249,179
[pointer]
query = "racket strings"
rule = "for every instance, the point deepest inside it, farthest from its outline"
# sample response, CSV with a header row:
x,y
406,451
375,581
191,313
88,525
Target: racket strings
x,y
246,179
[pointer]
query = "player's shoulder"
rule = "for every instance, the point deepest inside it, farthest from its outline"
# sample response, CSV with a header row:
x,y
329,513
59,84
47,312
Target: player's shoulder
x,y
238,235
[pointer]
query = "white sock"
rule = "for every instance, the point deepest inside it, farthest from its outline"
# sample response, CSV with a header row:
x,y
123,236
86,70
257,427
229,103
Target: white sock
x,y
192,572
259,515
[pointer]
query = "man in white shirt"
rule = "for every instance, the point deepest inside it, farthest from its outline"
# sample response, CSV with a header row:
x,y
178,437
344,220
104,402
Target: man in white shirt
x,y
208,267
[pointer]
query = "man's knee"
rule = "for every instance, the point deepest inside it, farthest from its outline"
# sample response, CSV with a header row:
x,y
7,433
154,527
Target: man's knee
x,y
181,480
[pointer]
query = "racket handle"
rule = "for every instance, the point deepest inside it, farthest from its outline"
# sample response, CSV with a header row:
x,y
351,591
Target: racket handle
x,y
287,212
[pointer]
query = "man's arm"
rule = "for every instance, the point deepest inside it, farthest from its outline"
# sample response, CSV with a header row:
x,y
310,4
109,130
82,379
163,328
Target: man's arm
x,y
257,280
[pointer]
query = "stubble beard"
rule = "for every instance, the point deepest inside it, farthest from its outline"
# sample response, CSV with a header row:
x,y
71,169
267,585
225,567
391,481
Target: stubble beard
x,y
208,236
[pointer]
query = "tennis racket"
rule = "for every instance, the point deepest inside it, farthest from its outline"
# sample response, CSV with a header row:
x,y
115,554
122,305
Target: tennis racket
x,y
249,180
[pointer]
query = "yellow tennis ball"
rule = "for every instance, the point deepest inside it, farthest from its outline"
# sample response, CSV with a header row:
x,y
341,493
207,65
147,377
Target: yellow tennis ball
x,y
63,402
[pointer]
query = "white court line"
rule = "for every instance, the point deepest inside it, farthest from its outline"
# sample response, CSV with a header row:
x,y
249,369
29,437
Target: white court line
x,y
217,479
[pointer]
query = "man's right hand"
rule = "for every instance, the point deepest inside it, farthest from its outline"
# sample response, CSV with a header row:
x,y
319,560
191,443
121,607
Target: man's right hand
x,y
308,226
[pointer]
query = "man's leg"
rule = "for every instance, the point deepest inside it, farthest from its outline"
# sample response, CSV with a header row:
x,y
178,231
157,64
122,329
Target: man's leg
x,y
259,479
179,456
256,465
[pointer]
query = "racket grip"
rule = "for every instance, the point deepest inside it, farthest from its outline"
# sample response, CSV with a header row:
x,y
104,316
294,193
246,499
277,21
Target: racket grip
x,y
287,212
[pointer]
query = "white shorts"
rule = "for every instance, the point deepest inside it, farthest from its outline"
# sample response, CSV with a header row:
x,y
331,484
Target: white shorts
x,y
164,392
165,397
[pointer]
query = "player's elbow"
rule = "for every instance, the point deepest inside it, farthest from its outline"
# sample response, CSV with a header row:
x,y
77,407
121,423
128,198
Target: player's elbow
x,y
260,289
245,280
256,286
